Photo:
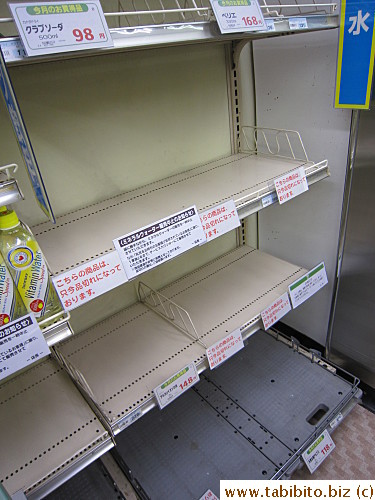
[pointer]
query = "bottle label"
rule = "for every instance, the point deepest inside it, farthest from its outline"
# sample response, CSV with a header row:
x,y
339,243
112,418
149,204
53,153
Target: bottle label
x,y
11,305
31,276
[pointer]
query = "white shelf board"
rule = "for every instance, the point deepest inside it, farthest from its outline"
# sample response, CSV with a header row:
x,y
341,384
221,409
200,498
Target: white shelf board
x,y
125,357
87,233
47,431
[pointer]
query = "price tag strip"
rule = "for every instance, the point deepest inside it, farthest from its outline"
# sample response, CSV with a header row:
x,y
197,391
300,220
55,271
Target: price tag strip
x,y
318,451
86,282
276,311
219,220
237,16
209,495
21,344
130,420
12,50
308,285
179,383
152,245
298,23
291,185
269,200
224,348
53,27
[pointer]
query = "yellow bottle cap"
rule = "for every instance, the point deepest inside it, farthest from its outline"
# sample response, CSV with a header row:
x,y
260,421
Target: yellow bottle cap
x,y
8,219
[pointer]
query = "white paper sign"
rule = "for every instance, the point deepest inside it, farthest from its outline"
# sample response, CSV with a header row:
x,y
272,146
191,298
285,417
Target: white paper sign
x,y
51,27
318,451
152,245
235,16
224,348
179,383
209,495
291,185
21,344
269,200
86,282
12,50
308,285
219,220
298,23
276,311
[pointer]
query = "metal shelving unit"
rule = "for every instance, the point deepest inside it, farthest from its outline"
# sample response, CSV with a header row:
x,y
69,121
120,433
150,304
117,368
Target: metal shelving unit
x,y
155,23
247,178
48,431
9,189
125,357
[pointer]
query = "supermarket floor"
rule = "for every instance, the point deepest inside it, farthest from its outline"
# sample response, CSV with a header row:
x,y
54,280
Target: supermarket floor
x,y
354,455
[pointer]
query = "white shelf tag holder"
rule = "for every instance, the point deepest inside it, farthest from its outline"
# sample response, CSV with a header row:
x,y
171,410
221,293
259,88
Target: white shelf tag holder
x,y
21,344
176,385
219,220
309,284
159,242
168,310
275,311
238,16
90,280
318,451
61,27
223,349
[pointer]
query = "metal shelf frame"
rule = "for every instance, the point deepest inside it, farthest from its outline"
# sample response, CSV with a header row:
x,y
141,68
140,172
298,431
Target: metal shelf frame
x,y
152,23
145,348
247,178
10,192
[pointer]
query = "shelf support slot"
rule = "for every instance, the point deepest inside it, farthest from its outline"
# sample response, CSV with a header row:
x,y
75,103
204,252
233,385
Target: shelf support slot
x,y
168,310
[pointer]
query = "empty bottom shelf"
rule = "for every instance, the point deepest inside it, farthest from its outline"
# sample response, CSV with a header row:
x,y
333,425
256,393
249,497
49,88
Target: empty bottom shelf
x,y
248,419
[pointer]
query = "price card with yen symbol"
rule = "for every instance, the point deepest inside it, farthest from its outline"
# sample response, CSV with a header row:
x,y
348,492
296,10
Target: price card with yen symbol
x,y
237,16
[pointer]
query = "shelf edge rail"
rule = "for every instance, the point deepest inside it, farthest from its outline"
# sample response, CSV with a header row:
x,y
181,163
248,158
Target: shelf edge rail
x,y
10,191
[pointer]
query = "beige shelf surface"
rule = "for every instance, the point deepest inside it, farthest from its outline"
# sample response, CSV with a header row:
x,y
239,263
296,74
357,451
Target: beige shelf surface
x,y
87,233
124,358
46,430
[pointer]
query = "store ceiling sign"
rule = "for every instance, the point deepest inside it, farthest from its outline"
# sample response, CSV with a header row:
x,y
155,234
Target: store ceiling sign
x,y
219,220
291,185
238,16
23,140
224,349
21,344
53,27
159,242
86,282
275,311
355,61
308,285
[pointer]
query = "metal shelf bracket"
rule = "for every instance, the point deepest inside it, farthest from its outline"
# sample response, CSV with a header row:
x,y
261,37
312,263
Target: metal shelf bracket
x,y
170,311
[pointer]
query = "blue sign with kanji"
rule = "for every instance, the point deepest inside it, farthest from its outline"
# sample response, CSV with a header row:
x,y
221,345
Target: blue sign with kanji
x,y
355,62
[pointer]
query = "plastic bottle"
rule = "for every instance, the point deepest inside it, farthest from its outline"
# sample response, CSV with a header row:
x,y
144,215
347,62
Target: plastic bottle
x,y
11,304
26,264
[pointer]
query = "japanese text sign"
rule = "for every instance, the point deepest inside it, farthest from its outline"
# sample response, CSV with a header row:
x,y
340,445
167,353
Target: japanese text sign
x,y
308,285
21,344
224,348
276,311
235,16
291,185
355,61
152,245
180,382
219,220
50,27
318,451
209,495
86,282
23,140
298,23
